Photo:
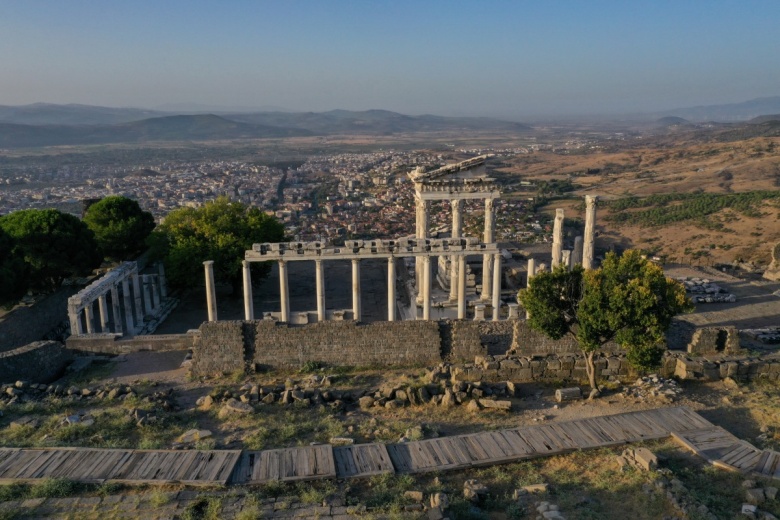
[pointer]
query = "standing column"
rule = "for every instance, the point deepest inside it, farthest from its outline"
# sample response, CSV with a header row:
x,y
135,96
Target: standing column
x,y
557,245
249,308
76,326
426,288
161,275
320,291
103,308
155,290
531,271
496,286
356,288
128,301
457,223
117,311
462,287
211,292
391,289
147,294
422,233
90,315
137,296
487,261
284,291
566,259
588,246
576,253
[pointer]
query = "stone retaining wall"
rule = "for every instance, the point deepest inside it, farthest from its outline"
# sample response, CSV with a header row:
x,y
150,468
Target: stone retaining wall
x,y
38,362
219,348
571,368
346,343
27,324
466,341
115,344
529,342
550,368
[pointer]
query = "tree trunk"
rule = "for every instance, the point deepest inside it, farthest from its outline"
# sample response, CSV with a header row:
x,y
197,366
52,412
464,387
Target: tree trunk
x,y
591,370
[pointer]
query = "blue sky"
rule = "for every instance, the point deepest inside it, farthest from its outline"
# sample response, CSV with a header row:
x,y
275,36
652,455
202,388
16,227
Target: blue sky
x,y
497,58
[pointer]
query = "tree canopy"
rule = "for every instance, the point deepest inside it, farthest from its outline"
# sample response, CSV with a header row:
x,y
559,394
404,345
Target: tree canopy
x,y
627,300
13,271
120,226
221,230
54,245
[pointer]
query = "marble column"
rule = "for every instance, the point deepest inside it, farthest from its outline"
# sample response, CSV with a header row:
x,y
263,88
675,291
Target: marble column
x,y
320,281
576,253
249,306
117,311
90,315
163,281
531,271
103,308
496,286
356,288
422,233
588,246
284,291
155,290
147,287
211,292
566,258
462,287
426,288
391,289
557,245
128,301
138,296
76,327
487,260
457,224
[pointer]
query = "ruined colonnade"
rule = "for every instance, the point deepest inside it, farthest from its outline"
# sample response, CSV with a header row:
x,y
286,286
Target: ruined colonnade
x,y
133,297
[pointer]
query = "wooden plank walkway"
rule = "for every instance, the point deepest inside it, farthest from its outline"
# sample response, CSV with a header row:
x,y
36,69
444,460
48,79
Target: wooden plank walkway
x,y
132,466
447,453
728,452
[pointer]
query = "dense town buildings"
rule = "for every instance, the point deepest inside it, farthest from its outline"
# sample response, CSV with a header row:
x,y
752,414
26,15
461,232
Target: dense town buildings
x,y
326,197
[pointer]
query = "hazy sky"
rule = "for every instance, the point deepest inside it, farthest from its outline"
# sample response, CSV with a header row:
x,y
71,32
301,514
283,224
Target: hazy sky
x,y
499,58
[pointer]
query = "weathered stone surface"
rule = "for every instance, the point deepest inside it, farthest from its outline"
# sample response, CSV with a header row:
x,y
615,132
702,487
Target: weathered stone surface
x,y
194,435
495,405
474,491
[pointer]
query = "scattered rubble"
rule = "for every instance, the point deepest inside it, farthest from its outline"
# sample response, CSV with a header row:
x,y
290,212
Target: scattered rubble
x,y
653,386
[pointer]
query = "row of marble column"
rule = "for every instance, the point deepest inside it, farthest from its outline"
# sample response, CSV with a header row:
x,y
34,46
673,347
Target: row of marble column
x,y
422,232
140,293
583,251
425,293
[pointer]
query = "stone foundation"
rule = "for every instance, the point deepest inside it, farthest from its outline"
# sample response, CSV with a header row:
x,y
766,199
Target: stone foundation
x,y
38,362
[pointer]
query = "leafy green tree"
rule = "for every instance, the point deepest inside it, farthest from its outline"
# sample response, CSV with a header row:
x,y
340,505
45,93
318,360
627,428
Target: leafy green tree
x,y
54,245
13,271
120,226
221,231
627,300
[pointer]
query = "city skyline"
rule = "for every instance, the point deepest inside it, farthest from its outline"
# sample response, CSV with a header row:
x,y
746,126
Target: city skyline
x,y
500,59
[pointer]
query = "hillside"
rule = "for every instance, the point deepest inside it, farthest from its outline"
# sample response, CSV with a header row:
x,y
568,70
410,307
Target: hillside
x,y
50,114
170,128
730,189
375,122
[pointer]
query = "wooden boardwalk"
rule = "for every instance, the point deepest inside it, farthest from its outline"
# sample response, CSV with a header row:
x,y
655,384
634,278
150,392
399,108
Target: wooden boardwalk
x,y
131,466
447,453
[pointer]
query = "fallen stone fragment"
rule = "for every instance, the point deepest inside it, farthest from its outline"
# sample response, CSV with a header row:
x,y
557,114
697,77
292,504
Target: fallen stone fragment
x,y
495,405
194,435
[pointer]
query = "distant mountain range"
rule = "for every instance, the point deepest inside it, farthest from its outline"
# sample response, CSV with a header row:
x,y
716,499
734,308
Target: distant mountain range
x,y
732,112
51,125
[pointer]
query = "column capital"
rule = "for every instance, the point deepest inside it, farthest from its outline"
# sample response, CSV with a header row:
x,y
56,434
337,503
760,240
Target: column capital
x,y
206,263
